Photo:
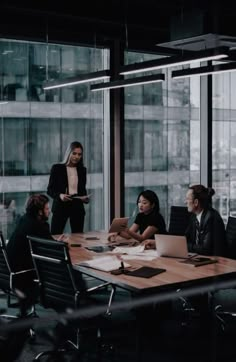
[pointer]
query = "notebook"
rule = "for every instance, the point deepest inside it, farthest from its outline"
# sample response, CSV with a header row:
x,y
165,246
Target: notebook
x,y
171,245
145,272
118,224
198,261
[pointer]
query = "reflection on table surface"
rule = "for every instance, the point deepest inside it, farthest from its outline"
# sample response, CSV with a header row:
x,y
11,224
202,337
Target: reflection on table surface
x,y
177,274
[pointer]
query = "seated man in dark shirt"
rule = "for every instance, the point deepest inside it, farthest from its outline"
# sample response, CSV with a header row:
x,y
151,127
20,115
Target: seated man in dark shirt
x,y
34,223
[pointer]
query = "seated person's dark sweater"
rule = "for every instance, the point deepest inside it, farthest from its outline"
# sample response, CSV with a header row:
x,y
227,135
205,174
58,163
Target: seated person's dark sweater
x,y
18,248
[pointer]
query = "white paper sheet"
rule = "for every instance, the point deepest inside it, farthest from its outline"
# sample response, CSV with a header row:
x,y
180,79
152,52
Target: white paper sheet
x,y
104,263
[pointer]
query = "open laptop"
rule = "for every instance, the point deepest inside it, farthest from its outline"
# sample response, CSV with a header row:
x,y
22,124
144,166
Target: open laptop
x,y
118,224
171,245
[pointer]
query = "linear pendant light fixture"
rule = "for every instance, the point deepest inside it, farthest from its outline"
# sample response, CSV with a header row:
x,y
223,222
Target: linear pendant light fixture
x,y
198,56
210,69
83,78
128,82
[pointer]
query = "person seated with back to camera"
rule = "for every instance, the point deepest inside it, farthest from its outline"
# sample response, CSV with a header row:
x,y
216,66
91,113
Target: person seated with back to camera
x,y
148,221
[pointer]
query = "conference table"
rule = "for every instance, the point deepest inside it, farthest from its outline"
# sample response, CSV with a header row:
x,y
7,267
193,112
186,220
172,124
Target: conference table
x,y
178,276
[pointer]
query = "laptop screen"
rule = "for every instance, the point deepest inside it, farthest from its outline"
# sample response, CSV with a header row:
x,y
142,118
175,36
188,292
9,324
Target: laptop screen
x,y
171,245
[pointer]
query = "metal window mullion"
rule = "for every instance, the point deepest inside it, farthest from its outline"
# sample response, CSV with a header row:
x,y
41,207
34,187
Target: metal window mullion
x,y
206,130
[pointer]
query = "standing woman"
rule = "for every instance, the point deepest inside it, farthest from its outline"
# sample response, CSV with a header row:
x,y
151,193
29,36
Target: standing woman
x,y
67,187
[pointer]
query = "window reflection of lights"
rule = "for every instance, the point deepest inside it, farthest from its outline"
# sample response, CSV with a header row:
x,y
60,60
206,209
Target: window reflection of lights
x,y
7,52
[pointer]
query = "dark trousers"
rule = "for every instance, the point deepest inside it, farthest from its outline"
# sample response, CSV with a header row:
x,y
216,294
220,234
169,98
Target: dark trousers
x,y
74,211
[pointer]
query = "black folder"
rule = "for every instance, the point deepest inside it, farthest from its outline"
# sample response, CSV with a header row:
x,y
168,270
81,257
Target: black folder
x,y
145,272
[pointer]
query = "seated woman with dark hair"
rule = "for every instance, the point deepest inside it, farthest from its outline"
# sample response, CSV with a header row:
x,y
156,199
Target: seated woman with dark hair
x,y
148,221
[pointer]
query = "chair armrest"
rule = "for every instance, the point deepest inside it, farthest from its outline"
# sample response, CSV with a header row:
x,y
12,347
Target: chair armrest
x,y
111,296
97,287
23,280
23,271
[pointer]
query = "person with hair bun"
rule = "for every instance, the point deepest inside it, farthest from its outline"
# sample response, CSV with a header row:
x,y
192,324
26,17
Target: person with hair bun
x,y
206,231
67,187
148,221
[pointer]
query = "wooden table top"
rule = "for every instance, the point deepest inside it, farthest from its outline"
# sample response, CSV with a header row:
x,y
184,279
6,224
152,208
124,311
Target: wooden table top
x,y
177,274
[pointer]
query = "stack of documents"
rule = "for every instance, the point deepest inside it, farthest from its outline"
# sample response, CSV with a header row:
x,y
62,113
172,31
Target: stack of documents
x,y
104,263
135,252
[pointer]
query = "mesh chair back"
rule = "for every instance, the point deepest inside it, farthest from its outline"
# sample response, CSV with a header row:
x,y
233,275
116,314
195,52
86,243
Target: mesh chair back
x,y
179,220
52,262
5,271
231,237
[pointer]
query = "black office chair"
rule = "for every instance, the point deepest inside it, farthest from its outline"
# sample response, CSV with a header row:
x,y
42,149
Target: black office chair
x,y
62,289
179,219
14,286
225,300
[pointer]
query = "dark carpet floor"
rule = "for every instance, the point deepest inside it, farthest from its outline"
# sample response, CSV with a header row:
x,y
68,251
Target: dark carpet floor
x,y
165,340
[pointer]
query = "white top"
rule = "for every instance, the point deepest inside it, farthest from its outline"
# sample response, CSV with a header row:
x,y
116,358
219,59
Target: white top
x,y
72,180
199,217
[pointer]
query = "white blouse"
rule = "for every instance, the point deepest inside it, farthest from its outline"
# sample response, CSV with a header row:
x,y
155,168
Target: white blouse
x,y
72,180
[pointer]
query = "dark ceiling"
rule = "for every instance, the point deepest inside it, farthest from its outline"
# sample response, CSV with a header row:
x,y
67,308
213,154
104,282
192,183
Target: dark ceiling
x,y
137,24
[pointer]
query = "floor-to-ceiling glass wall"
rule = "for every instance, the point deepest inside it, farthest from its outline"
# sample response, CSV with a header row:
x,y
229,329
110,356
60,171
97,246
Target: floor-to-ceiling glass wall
x,y
162,139
224,143
36,125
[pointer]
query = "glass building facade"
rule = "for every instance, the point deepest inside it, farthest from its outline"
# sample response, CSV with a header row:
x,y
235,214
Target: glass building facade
x,y
161,131
36,125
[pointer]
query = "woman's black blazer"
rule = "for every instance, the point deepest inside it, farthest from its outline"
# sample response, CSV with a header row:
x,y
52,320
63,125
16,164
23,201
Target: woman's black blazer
x,y
58,182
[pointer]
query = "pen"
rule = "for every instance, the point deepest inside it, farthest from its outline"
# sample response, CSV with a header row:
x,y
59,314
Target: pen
x,y
191,256
122,267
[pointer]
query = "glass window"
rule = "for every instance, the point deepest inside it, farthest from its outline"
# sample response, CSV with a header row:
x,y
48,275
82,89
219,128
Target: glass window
x,y
162,143
224,144
36,125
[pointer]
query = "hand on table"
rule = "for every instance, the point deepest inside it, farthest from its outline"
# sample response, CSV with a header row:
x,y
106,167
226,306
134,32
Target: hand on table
x,y
149,244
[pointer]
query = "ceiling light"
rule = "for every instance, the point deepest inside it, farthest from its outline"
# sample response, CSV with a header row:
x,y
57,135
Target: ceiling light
x,y
83,78
128,82
210,69
198,56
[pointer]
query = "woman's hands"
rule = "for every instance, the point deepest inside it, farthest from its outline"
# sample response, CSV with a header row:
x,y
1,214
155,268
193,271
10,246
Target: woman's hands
x,y
65,197
85,199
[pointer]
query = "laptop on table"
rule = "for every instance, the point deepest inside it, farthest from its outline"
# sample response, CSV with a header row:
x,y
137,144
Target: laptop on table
x,y
174,246
118,224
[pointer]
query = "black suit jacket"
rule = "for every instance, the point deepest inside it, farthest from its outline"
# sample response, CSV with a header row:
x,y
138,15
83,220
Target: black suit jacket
x,y
18,248
58,182
212,237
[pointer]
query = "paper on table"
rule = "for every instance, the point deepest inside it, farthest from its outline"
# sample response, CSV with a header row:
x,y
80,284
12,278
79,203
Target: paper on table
x,y
131,250
139,257
104,263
